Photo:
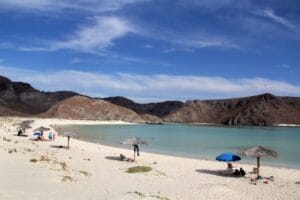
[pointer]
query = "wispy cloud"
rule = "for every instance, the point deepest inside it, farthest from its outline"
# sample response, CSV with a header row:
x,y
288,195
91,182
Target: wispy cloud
x,y
181,40
95,6
205,42
280,20
92,38
214,4
158,86
285,66
148,46
97,36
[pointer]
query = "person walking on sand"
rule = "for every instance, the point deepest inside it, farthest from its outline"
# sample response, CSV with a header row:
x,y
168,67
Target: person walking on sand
x,y
136,149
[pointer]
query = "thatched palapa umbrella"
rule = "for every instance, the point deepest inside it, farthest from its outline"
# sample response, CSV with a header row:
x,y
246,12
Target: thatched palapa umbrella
x,y
21,129
42,129
26,122
259,152
69,134
135,142
25,125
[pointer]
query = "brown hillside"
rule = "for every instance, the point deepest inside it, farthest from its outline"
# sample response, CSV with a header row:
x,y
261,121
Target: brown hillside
x,y
22,98
263,109
79,107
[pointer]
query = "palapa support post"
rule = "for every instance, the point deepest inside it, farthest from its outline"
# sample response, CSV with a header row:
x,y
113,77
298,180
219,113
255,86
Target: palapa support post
x,y
258,165
68,142
133,155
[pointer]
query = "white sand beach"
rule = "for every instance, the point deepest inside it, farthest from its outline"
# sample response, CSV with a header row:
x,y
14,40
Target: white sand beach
x,y
39,170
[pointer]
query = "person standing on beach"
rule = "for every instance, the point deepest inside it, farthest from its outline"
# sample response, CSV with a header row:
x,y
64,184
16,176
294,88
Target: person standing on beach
x,y
136,149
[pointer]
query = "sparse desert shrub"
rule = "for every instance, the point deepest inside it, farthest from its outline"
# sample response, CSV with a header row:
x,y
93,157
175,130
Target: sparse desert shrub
x,y
6,139
139,169
85,173
12,150
33,160
67,178
44,158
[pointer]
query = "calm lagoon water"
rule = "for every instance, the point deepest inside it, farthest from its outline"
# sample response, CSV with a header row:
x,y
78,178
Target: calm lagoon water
x,y
203,142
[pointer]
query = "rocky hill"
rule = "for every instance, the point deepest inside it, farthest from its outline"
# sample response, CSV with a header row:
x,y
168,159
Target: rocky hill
x,y
158,109
22,99
80,107
17,98
265,109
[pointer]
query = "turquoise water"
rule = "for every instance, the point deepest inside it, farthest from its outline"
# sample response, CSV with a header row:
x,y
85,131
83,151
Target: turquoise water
x,y
203,142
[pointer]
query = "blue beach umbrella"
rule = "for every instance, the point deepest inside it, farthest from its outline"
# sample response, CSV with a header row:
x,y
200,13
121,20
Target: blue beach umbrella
x,y
228,157
37,134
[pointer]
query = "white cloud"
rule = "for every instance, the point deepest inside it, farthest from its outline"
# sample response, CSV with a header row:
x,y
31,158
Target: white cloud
x,y
214,4
159,87
270,14
98,36
90,38
285,66
26,4
190,41
60,5
148,46
204,42
75,61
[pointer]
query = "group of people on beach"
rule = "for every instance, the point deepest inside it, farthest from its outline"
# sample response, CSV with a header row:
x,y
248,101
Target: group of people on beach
x,y
240,172
41,137
136,150
236,172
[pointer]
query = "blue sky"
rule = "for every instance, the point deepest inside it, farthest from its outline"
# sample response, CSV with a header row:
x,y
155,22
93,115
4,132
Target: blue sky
x,y
153,50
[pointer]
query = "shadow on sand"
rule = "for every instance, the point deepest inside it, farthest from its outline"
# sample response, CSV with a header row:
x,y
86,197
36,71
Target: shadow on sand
x,y
216,173
113,158
298,182
119,159
21,135
59,146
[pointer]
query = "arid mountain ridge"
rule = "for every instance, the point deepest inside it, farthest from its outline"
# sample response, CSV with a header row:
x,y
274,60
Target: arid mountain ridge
x,y
21,99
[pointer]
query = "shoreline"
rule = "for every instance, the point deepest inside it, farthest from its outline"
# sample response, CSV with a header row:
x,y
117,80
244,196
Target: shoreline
x,y
88,165
168,153
70,122
239,126
284,166
253,163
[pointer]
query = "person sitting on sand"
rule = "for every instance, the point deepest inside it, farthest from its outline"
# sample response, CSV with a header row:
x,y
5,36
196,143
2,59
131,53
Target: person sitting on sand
x,y
122,157
229,166
40,138
242,172
50,136
20,132
236,172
